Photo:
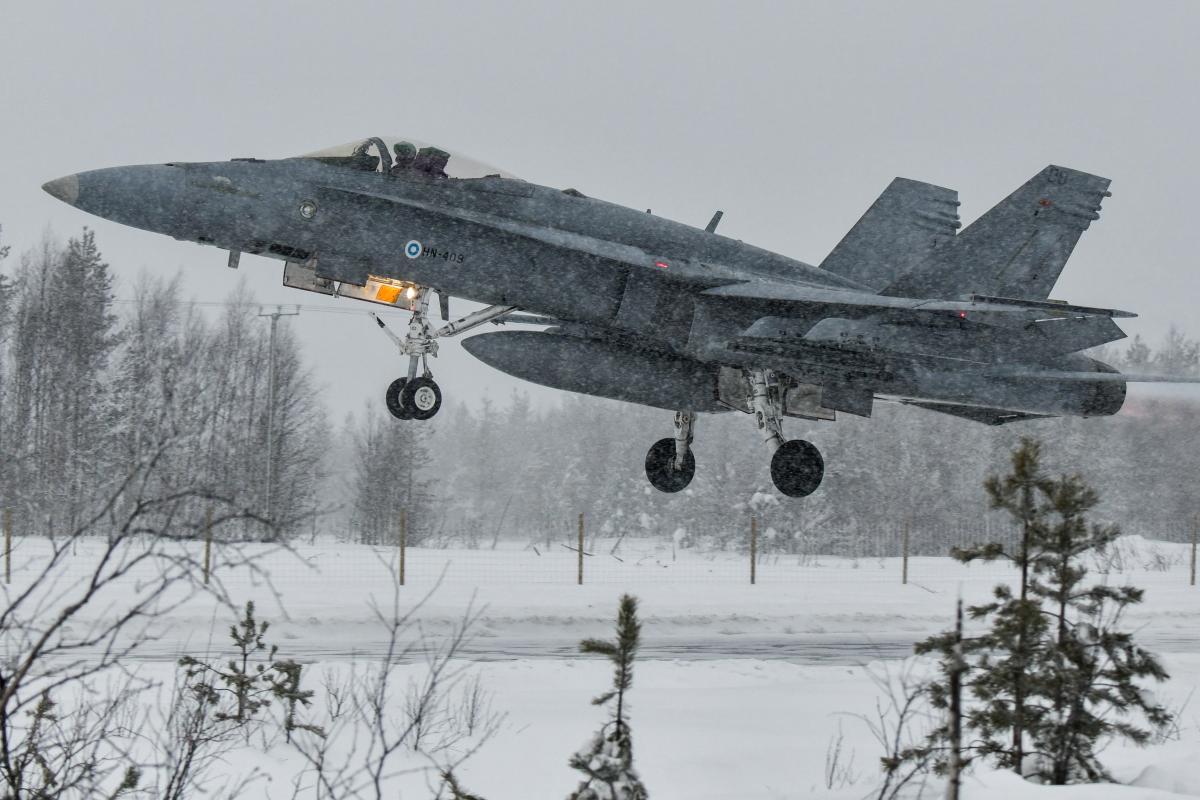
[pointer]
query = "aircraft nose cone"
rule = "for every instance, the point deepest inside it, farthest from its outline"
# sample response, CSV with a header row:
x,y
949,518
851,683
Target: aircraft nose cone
x,y
65,189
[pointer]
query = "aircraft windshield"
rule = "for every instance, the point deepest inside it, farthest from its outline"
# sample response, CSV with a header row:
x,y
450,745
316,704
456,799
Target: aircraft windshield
x,y
397,155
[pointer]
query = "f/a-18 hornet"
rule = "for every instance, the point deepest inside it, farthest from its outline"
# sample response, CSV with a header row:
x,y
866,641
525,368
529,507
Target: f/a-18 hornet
x,y
642,309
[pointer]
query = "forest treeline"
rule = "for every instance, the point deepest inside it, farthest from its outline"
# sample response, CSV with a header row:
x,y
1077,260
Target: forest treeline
x,y
89,385
90,388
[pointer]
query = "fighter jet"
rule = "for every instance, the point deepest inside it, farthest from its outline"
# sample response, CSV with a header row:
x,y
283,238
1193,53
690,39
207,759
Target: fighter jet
x,y
646,310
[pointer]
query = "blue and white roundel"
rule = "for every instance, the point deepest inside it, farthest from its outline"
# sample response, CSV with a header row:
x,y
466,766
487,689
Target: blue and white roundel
x,y
412,249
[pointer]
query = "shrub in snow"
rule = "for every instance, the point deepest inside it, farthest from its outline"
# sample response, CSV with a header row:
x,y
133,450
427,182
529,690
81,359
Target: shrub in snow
x,y
249,686
607,759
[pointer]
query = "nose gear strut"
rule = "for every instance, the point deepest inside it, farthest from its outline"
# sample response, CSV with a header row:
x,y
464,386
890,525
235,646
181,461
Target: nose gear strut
x,y
418,396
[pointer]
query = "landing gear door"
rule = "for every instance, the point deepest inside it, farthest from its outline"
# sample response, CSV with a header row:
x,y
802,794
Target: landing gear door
x,y
298,275
732,389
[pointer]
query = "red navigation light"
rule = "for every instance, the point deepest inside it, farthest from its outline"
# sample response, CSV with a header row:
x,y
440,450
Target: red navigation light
x,y
660,264
962,315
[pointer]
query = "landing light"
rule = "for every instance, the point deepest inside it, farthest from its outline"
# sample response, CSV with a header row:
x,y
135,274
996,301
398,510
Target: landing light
x,y
411,293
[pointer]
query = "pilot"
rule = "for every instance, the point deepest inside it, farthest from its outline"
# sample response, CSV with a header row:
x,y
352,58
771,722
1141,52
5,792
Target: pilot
x,y
362,159
405,154
432,161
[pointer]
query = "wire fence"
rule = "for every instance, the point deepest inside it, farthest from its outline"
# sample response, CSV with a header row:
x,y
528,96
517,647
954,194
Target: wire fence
x,y
583,558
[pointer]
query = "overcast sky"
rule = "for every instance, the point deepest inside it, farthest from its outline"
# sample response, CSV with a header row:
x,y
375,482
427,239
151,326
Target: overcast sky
x,y
790,117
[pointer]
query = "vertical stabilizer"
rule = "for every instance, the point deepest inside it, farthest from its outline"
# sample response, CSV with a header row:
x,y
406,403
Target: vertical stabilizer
x,y
1019,247
899,232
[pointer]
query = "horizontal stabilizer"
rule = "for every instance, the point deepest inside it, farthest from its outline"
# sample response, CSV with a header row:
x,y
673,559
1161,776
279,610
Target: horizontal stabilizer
x,y
1019,247
898,233
1066,335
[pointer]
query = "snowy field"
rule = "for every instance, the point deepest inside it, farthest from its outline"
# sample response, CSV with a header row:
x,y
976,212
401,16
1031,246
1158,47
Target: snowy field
x,y
742,691
808,608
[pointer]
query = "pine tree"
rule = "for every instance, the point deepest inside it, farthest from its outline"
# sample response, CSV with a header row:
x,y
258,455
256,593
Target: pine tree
x,y
1086,681
1009,646
1053,671
245,683
607,760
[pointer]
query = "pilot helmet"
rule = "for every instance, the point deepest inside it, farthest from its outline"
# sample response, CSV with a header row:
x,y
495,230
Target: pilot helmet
x,y
404,150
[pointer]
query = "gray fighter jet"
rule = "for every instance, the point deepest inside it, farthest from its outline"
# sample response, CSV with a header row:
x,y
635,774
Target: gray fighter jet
x,y
646,310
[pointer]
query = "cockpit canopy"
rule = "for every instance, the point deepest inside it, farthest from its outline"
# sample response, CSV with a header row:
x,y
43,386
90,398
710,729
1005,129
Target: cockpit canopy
x,y
396,155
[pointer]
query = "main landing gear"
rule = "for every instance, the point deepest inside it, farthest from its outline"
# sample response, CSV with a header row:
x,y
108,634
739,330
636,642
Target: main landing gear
x,y
417,396
796,466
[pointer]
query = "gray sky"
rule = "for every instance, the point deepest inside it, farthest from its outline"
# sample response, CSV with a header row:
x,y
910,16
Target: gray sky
x,y
790,117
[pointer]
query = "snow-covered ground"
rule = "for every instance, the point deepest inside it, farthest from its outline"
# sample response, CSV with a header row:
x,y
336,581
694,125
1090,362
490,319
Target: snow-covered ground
x,y
741,691
694,605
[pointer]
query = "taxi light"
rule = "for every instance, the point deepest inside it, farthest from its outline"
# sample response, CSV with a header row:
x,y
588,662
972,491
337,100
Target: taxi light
x,y
411,292
387,294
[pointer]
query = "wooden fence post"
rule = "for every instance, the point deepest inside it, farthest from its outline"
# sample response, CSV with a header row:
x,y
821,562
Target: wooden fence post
x,y
403,543
957,668
8,547
904,557
207,544
580,553
753,549
1195,526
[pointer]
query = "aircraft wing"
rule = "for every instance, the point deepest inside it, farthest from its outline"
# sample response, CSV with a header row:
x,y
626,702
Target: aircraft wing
x,y
898,233
812,295
1091,377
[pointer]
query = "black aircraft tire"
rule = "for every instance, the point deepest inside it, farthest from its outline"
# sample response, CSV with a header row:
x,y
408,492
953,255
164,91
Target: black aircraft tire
x,y
392,399
660,467
797,468
421,398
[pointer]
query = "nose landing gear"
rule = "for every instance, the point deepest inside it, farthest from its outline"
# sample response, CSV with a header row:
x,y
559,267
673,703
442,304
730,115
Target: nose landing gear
x,y
670,464
418,396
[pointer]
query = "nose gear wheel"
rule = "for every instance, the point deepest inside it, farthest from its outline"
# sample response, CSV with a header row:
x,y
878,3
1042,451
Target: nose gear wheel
x,y
661,470
392,399
421,398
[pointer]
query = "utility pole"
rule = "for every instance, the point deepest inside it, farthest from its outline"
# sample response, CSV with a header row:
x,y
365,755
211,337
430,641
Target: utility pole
x,y
274,315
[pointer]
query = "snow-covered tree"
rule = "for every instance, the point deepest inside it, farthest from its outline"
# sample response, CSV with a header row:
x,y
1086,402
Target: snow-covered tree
x,y
391,463
606,761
